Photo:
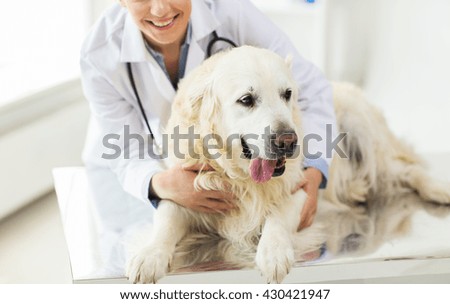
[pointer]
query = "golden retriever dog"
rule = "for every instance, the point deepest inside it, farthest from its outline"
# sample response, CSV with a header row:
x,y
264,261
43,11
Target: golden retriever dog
x,y
231,101
236,104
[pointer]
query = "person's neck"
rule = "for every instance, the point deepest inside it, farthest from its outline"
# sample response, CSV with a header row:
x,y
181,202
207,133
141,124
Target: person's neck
x,y
170,51
167,50
171,55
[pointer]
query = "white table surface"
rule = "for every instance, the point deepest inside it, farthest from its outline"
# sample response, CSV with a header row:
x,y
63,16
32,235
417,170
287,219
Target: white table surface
x,y
98,217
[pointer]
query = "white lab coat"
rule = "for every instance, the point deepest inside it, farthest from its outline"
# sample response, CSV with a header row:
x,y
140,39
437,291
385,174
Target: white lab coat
x,y
115,40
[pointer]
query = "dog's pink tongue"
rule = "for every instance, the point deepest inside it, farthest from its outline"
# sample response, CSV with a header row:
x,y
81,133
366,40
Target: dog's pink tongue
x,y
261,170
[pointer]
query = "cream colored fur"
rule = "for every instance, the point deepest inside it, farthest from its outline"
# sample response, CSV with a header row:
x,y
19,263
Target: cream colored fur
x,y
372,195
267,214
265,220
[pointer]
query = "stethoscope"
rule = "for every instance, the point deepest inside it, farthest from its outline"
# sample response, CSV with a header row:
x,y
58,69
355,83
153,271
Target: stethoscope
x,y
216,38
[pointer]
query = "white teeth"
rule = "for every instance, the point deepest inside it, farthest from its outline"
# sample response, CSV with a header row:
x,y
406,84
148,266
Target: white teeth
x,y
158,24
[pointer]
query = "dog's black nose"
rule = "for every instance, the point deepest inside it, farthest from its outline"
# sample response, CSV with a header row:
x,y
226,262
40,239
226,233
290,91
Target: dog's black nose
x,y
284,142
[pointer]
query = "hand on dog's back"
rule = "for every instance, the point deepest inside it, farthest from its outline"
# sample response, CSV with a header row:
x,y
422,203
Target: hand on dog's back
x,y
177,184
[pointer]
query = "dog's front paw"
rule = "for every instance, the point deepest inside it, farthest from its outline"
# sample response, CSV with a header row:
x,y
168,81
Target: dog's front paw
x,y
274,258
149,265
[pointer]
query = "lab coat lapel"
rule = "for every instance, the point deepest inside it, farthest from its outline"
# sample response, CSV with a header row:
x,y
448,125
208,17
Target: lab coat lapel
x,y
203,24
196,56
133,46
164,85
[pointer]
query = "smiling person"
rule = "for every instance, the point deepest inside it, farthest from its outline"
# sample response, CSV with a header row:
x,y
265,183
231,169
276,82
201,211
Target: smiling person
x,y
131,63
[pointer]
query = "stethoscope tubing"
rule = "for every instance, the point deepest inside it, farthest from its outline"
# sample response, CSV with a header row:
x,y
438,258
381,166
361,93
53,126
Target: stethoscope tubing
x,y
215,39
136,94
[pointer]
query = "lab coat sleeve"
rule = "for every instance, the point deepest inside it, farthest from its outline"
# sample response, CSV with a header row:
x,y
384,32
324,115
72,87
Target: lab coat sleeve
x,y
116,123
315,98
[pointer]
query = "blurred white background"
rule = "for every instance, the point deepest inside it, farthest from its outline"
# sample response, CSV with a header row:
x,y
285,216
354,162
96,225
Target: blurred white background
x,y
396,50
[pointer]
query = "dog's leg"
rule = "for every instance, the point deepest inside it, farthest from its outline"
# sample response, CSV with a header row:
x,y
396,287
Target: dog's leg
x,y
428,188
275,252
152,262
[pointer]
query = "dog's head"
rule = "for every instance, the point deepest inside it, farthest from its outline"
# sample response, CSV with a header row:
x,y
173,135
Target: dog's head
x,y
244,103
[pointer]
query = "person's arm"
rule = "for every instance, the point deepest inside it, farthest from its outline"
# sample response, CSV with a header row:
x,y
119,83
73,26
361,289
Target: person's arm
x,y
139,174
311,184
114,120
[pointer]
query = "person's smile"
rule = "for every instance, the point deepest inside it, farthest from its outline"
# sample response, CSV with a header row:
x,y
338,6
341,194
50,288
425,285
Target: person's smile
x,y
163,24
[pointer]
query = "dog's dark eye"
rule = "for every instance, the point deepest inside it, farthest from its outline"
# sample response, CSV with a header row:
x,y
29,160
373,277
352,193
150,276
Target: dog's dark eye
x,y
247,100
287,94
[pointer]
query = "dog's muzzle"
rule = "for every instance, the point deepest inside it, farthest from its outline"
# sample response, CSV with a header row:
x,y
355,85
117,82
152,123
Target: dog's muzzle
x,y
279,147
283,144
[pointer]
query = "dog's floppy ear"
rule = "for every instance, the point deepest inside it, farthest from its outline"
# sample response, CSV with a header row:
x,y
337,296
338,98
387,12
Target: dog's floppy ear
x,y
288,61
196,100
209,109
205,106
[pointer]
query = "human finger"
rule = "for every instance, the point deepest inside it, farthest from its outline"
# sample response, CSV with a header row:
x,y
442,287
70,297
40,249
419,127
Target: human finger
x,y
204,209
219,195
304,223
299,186
307,218
197,167
211,208
308,213
218,205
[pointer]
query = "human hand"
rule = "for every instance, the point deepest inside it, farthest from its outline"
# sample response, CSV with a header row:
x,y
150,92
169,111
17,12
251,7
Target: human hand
x,y
177,184
310,184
